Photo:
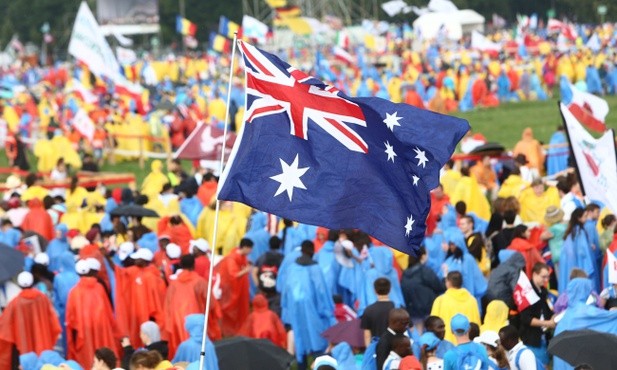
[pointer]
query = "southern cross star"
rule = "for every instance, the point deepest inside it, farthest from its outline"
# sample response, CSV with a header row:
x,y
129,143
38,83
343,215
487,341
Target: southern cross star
x,y
391,120
290,178
409,225
389,151
421,157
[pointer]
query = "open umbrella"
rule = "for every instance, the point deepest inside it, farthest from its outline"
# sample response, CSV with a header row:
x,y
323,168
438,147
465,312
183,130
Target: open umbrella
x,y
11,262
590,347
132,210
248,353
346,331
490,149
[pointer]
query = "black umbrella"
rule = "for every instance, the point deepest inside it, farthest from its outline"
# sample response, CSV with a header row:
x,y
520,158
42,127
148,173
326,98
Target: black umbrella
x,y
133,211
11,262
490,149
590,347
346,331
248,353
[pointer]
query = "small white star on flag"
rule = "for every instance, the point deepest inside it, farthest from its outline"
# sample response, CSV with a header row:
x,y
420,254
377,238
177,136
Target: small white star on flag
x,y
421,157
415,180
409,225
391,120
390,151
290,178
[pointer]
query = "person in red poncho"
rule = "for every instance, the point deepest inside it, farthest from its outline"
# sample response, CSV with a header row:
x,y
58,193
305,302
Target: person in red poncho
x,y
263,323
140,294
38,220
187,295
207,189
439,199
90,322
233,272
521,244
200,249
28,324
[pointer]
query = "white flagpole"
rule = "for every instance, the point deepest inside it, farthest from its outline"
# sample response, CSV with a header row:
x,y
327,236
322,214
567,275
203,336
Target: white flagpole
x,y
202,355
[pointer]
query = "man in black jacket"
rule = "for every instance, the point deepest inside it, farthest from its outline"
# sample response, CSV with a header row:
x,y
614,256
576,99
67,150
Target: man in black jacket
x,y
398,323
150,334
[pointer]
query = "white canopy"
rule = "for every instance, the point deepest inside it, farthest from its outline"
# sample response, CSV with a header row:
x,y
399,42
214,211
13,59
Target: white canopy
x,y
452,24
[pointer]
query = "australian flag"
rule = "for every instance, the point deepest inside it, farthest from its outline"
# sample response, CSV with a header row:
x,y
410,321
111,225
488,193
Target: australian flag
x,y
310,153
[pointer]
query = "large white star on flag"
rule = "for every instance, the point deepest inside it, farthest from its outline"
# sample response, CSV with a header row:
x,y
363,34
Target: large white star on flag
x,y
392,120
390,151
409,225
415,180
421,157
290,178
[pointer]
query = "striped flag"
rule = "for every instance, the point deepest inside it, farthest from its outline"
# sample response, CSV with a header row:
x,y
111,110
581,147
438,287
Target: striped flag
x,y
185,27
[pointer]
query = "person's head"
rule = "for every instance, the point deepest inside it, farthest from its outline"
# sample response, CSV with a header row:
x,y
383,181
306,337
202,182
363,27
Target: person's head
x,y
583,367
325,362
438,192
540,274
275,243
459,324
187,262
538,187
435,324
592,211
142,257
563,186
461,208
382,286
31,179
308,248
287,222
398,320
609,222
246,246
465,171
474,330
104,359
149,332
577,219
25,280
466,224
508,337
401,345
521,231
145,360
577,273
420,257
454,280
164,241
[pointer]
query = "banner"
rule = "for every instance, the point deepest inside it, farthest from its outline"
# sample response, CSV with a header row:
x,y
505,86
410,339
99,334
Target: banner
x,y
588,109
127,12
126,56
595,161
254,29
205,142
524,295
83,124
480,42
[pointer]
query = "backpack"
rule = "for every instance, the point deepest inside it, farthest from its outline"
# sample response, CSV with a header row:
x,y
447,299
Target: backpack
x,y
469,360
517,359
369,361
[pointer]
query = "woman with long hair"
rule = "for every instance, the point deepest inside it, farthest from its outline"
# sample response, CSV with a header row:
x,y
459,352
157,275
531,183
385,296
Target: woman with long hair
x,y
576,250
496,353
428,349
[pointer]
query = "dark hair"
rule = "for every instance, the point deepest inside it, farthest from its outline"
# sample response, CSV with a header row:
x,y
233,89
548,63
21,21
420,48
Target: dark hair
x,y
509,332
175,220
431,320
574,222
307,247
275,243
583,367
460,207
539,266
465,171
382,286
166,187
519,231
246,243
398,340
455,278
187,262
333,235
337,298
592,207
474,330
48,202
564,186
577,273
509,217
470,219
31,179
325,367
148,359
450,163
287,222
608,220
107,356
414,260
74,183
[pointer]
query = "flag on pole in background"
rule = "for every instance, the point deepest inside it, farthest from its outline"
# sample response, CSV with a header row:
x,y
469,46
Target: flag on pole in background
x,y
595,161
588,109
254,29
204,143
185,27
219,43
524,295
309,153
227,28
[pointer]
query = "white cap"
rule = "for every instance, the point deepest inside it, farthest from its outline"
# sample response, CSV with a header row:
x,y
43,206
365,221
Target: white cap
x,y
347,244
488,337
82,267
200,244
93,264
142,254
25,279
125,249
42,259
79,242
327,360
173,251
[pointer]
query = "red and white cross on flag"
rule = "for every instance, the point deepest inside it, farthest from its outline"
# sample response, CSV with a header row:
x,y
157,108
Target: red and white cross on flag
x,y
524,295
285,91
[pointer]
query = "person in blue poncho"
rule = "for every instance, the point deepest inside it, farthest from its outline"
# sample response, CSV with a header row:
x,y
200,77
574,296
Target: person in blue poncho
x,y
592,215
352,273
8,234
326,260
459,259
28,361
64,281
343,354
307,232
190,206
49,358
259,235
57,246
307,304
557,153
580,315
190,349
592,78
576,251
290,236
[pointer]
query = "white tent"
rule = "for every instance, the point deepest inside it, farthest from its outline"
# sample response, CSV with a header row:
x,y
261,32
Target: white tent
x,y
453,24
470,20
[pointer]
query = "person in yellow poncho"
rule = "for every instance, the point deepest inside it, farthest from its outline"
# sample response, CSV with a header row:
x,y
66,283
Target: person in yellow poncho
x,y
154,182
468,191
534,201
72,218
76,194
228,231
496,316
450,178
33,190
513,186
217,108
62,148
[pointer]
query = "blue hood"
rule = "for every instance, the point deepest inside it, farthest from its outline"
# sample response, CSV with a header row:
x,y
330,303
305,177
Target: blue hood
x,y
454,235
66,262
28,361
258,221
194,325
579,290
344,356
49,358
63,230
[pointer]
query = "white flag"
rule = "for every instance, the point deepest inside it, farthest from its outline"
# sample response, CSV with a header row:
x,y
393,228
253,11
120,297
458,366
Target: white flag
x,y
83,124
123,40
595,160
611,264
126,56
254,29
480,42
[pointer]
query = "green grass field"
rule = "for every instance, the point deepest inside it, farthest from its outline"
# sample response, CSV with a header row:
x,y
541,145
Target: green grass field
x,y
503,124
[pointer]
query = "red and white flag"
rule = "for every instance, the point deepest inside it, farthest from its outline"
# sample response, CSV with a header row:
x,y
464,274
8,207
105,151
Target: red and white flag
x,y
82,92
83,124
205,143
612,267
568,30
524,295
342,55
588,109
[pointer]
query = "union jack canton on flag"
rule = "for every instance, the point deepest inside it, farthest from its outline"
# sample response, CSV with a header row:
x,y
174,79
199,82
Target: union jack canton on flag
x,y
310,153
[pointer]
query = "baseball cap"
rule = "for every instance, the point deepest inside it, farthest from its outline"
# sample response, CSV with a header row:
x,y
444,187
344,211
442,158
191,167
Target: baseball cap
x,y
82,267
93,264
173,251
200,244
459,324
79,242
42,259
125,249
488,337
25,279
430,340
142,254
325,360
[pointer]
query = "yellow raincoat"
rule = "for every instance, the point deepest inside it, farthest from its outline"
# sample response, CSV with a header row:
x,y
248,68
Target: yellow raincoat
x,y
496,317
534,207
468,191
153,183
